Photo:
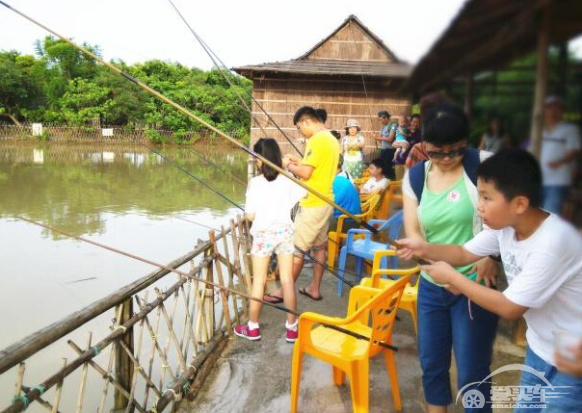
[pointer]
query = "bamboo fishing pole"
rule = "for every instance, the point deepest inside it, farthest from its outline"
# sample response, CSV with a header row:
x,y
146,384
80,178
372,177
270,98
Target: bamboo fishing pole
x,y
202,280
191,115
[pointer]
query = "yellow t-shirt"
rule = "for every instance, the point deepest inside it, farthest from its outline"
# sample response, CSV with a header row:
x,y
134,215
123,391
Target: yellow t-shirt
x,y
322,153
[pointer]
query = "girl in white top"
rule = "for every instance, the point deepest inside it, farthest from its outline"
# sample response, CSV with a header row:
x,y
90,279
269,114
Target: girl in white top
x,y
270,198
377,182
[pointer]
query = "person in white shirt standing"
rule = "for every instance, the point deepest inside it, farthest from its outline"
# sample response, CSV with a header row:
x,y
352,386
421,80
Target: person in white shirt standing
x,y
270,198
541,255
560,150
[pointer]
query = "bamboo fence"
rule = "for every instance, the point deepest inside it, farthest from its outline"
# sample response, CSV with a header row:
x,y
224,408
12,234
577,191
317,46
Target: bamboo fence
x,y
163,332
64,133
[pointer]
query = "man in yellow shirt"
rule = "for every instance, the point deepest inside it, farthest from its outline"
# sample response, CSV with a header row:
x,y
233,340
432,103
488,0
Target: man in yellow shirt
x,y
318,169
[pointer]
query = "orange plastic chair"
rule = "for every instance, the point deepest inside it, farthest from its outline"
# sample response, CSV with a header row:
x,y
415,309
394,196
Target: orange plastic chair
x,y
337,237
409,298
393,193
348,355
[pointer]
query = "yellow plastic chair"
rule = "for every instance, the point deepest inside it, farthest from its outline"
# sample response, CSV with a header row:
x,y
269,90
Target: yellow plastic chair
x,y
409,298
337,237
348,355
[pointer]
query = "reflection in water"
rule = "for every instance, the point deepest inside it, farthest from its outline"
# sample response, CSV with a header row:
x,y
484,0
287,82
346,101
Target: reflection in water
x,y
72,186
119,195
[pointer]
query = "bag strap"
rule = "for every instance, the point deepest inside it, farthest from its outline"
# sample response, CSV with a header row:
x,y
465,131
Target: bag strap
x,y
471,163
416,176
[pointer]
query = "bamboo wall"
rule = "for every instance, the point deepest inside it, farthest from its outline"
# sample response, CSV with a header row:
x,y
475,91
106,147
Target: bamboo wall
x,y
350,43
343,99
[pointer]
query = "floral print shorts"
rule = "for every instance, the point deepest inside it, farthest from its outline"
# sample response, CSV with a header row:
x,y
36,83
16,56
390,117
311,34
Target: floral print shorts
x,y
267,242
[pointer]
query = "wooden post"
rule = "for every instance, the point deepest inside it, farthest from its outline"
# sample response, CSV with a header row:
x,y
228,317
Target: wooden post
x,y
469,94
563,70
537,121
124,363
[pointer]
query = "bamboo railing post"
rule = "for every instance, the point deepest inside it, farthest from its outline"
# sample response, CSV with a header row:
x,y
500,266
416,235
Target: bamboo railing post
x,y
230,275
58,391
225,309
208,320
244,236
83,384
123,364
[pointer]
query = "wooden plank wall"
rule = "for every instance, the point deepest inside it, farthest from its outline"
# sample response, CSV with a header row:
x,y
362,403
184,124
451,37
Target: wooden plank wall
x,y
350,43
343,99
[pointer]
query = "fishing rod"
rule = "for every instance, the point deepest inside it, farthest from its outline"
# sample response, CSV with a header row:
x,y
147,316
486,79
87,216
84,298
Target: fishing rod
x,y
214,57
188,113
202,280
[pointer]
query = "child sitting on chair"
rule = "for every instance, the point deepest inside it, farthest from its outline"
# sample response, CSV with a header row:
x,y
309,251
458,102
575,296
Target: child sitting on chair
x,y
402,134
378,181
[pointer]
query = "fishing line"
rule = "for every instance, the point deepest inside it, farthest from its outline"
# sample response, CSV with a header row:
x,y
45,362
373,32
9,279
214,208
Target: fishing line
x,y
188,113
212,56
202,280
204,123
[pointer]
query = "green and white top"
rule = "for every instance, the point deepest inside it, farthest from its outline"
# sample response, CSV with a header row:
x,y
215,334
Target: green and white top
x,y
449,216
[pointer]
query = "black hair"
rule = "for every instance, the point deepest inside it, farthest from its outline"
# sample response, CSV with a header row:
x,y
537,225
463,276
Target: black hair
x,y
445,124
379,163
340,161
514,172
501,125
415,116
336,134
384,114
269,149
319,115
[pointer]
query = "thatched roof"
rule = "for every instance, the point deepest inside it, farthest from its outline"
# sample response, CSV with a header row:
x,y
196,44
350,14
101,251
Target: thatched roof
x,y
350,50
488,34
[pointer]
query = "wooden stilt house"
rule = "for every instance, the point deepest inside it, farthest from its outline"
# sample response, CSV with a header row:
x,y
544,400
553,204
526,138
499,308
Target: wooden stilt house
x,y
351,74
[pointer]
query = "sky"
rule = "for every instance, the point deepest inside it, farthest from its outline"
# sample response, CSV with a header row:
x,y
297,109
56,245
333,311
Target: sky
x,y
240,31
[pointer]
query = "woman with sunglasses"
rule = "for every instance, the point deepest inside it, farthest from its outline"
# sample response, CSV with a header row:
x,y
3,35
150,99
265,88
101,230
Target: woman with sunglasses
x,y
445,212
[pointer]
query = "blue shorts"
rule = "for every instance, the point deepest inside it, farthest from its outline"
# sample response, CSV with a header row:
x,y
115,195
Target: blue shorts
x,y
569,399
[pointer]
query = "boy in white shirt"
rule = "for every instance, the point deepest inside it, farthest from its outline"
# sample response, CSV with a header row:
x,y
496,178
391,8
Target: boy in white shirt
x,y
542,257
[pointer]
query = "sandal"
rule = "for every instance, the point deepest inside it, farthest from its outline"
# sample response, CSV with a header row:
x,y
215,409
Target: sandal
x,y
273,299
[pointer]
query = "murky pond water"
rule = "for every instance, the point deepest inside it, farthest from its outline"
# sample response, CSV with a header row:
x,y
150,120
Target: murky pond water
x,y
123,196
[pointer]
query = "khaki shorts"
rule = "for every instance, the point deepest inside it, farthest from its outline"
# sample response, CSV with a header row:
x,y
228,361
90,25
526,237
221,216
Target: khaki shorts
x,y
311,225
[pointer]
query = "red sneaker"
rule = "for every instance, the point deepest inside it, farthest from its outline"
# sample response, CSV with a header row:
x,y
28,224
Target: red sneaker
x,y
244,331
291,336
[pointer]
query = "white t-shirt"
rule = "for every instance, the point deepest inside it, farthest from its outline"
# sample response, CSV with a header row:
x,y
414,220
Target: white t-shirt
x,y
271,202
544,273
565,137
372,185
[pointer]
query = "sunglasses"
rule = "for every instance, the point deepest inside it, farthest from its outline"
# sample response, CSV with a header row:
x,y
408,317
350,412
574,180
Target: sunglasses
x,y
451,154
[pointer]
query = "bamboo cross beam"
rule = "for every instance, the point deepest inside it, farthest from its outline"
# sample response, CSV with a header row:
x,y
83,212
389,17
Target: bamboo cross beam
x,y
191,115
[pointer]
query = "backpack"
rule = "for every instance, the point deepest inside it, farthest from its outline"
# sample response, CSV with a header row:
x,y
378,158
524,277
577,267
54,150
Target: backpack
x,y
471,162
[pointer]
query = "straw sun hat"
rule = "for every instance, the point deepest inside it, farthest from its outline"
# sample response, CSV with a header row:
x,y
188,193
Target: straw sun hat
x,y
352,123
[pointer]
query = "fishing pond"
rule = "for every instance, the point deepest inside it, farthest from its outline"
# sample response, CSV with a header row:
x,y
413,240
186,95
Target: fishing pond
x,y
124,196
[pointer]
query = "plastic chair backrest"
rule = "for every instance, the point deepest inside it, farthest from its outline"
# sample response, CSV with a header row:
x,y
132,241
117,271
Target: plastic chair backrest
x,y
398,272
381,306
383,311
393,225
